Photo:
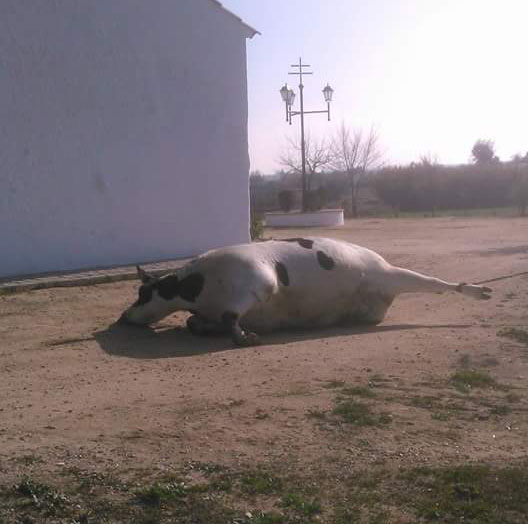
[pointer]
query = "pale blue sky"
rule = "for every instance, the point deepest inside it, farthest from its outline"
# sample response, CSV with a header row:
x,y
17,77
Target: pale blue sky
x,y
432,75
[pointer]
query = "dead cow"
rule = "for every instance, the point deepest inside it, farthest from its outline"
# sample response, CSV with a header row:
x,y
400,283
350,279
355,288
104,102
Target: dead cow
x,y
293,283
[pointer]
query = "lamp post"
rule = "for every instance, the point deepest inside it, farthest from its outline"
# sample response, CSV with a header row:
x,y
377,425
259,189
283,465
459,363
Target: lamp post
x,y
288,97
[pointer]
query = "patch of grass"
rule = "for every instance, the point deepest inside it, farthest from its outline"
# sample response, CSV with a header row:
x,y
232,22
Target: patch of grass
x,y
358,515
359,391
151,516
261,415
256,227
501,410
513,398
268,518
353,412
347,515
43,497
519,335
470,493
364,499
222,483
380,517
208,468
369,481
441,415
364,443
236,403
334,384
260,483
453,407
160,493
300,390
88,481
29,488
162,502
377,380
316,414
300,505
27,460
198,488
467,379
425,402
205,510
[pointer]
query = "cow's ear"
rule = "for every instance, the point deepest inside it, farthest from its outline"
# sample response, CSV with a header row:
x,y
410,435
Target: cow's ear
x,y
144,276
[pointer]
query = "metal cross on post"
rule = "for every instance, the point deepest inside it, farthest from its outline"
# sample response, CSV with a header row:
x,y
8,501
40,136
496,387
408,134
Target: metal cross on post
x,y
288,96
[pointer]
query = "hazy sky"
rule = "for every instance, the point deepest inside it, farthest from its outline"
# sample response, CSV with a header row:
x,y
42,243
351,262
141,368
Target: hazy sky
x,y
432,75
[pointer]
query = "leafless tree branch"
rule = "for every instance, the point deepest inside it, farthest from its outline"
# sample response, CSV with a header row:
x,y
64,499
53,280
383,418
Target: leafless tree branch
x,y
318,154
354,153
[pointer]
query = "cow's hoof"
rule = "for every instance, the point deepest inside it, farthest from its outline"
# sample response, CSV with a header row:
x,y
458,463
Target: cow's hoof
x,y
247,338
477,292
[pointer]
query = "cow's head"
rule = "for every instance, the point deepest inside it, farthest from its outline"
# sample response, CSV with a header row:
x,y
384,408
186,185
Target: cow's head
x,y
160,296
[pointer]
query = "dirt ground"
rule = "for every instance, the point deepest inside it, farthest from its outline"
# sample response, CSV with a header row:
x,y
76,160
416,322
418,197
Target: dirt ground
x,y
77,391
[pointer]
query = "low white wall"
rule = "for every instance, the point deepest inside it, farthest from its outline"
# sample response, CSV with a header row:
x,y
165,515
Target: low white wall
x,y
325,217
123,133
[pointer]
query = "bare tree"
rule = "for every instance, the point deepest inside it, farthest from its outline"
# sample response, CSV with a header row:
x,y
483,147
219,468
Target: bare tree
x,y
318,155
354,153
371,153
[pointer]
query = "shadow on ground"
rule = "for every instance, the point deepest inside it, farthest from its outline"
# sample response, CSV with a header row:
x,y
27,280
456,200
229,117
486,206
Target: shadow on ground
x,y
163,342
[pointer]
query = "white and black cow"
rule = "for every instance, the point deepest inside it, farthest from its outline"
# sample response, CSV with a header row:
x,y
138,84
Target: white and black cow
x,y
293,283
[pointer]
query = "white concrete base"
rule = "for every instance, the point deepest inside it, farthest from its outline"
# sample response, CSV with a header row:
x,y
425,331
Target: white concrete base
x,y
322,218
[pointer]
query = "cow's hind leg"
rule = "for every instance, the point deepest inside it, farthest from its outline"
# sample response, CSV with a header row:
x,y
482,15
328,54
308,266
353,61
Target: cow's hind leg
x,y
368,308
241,337
406,281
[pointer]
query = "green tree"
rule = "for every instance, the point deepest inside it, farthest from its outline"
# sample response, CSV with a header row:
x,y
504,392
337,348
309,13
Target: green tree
x,y
483,152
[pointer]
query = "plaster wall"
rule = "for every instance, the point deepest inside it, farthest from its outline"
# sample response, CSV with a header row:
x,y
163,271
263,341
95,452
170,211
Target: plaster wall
x,y
123,133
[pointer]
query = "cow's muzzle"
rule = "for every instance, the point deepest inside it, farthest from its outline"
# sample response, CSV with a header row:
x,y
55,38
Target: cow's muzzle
x,y
123,319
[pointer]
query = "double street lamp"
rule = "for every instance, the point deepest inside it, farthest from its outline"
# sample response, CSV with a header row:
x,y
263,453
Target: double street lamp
x,y
288,97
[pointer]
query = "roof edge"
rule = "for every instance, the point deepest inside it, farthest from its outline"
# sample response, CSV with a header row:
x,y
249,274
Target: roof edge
x,y
251,30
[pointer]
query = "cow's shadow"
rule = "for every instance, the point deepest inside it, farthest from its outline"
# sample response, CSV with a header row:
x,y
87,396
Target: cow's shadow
x,y
177,341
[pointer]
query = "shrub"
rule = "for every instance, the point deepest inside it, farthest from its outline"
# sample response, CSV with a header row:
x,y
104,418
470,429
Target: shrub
x,y
286,199
316,199
256,227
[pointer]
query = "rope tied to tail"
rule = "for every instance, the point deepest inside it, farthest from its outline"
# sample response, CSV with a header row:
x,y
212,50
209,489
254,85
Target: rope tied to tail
x,y
501,278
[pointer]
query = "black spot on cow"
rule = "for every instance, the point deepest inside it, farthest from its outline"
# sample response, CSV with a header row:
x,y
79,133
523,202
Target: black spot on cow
x,y
171,286
303,242
145,295
325,261
282,273
168,287
191,286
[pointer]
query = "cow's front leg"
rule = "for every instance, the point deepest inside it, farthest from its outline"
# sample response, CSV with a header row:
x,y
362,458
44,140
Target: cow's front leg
x,y
200,326
240,336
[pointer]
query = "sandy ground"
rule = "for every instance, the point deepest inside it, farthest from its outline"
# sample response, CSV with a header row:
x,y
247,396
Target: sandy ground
x,y
77,391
